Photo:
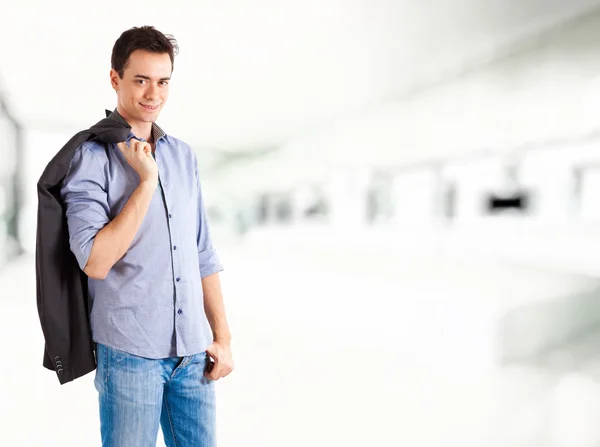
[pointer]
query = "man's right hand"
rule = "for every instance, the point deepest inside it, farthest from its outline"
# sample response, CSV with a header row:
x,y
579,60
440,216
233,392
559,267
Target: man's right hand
x,y
139,157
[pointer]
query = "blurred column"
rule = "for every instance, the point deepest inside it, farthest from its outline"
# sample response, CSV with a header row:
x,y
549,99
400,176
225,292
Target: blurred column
x,y
10,182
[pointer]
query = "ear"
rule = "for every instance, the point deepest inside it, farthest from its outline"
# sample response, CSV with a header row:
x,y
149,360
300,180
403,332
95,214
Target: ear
x,y
114,79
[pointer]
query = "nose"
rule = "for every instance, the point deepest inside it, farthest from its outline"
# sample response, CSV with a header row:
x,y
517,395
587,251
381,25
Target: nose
x,y
151,92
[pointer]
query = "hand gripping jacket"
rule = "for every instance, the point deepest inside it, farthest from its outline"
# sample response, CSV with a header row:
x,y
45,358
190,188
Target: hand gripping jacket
x,y
61,286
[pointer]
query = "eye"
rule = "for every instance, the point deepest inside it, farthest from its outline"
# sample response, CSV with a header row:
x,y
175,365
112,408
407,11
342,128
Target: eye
x,y
140,81
164,83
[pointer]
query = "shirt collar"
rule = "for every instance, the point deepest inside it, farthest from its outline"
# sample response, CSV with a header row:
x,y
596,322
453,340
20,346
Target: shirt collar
x,y
157,132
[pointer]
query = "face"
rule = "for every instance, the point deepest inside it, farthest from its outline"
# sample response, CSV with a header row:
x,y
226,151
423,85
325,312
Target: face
x,y
144,88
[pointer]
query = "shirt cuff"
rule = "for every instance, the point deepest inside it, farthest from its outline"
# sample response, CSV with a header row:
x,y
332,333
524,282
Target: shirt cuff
x,y
209,263
82,253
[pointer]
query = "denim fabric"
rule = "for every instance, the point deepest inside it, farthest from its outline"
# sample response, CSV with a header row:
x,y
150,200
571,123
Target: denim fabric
x,y
136,394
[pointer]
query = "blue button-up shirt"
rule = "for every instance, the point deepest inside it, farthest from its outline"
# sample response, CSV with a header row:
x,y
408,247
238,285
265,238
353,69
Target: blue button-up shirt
x,y
151,302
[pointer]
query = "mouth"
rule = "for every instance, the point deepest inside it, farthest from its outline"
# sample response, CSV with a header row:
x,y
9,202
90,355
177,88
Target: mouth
x,y
149,108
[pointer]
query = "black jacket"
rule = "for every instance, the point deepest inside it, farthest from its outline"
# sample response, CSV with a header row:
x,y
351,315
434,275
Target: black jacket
x,y
61,286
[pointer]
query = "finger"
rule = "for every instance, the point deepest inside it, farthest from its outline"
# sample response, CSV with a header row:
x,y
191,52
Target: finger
x,y
210,375
136,144
147,148
122,146
211,369
143,149
215,374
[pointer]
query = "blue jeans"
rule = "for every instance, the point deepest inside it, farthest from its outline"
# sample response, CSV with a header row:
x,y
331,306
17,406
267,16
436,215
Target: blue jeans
x,y
136,394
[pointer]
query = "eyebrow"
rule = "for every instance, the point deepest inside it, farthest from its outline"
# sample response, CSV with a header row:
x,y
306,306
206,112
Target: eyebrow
x,y
148,78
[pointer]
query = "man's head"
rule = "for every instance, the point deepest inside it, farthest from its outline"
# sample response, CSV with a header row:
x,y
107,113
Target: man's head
x,y
142,63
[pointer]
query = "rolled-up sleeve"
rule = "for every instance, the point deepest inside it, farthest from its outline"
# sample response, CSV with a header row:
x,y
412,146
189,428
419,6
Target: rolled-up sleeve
x,y
84,194
207,255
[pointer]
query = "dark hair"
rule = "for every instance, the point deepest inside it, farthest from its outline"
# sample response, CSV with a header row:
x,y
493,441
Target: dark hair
x,y
141,38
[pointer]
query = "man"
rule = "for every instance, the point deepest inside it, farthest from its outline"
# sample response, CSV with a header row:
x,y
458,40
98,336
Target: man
x,y
138,229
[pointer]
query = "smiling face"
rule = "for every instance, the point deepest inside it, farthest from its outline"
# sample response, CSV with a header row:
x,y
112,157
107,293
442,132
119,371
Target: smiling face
x,y
144,88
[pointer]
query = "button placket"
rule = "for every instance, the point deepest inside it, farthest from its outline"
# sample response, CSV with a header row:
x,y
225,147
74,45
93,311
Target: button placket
x,y
171,234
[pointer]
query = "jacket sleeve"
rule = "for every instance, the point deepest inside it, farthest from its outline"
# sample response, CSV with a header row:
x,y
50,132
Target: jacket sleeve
x,y
84,194
207,255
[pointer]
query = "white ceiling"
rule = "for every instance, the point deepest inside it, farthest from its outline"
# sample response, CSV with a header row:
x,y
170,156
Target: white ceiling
x,y
255,73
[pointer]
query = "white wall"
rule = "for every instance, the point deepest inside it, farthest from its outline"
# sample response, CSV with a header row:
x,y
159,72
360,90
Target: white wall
x,y
539,108
39,145
548,94
550,91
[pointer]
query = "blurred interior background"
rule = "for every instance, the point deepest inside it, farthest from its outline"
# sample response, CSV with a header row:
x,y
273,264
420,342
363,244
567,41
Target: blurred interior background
x,y
405,196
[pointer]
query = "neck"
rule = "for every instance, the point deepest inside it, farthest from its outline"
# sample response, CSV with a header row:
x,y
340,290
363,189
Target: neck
x,y
140,129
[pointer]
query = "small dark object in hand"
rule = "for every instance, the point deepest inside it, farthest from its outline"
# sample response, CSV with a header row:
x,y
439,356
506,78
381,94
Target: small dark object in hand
x,y
209,365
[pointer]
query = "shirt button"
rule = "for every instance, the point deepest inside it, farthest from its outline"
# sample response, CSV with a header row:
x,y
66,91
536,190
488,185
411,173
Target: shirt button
x,y
177,279
174,247
179,312
169,216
